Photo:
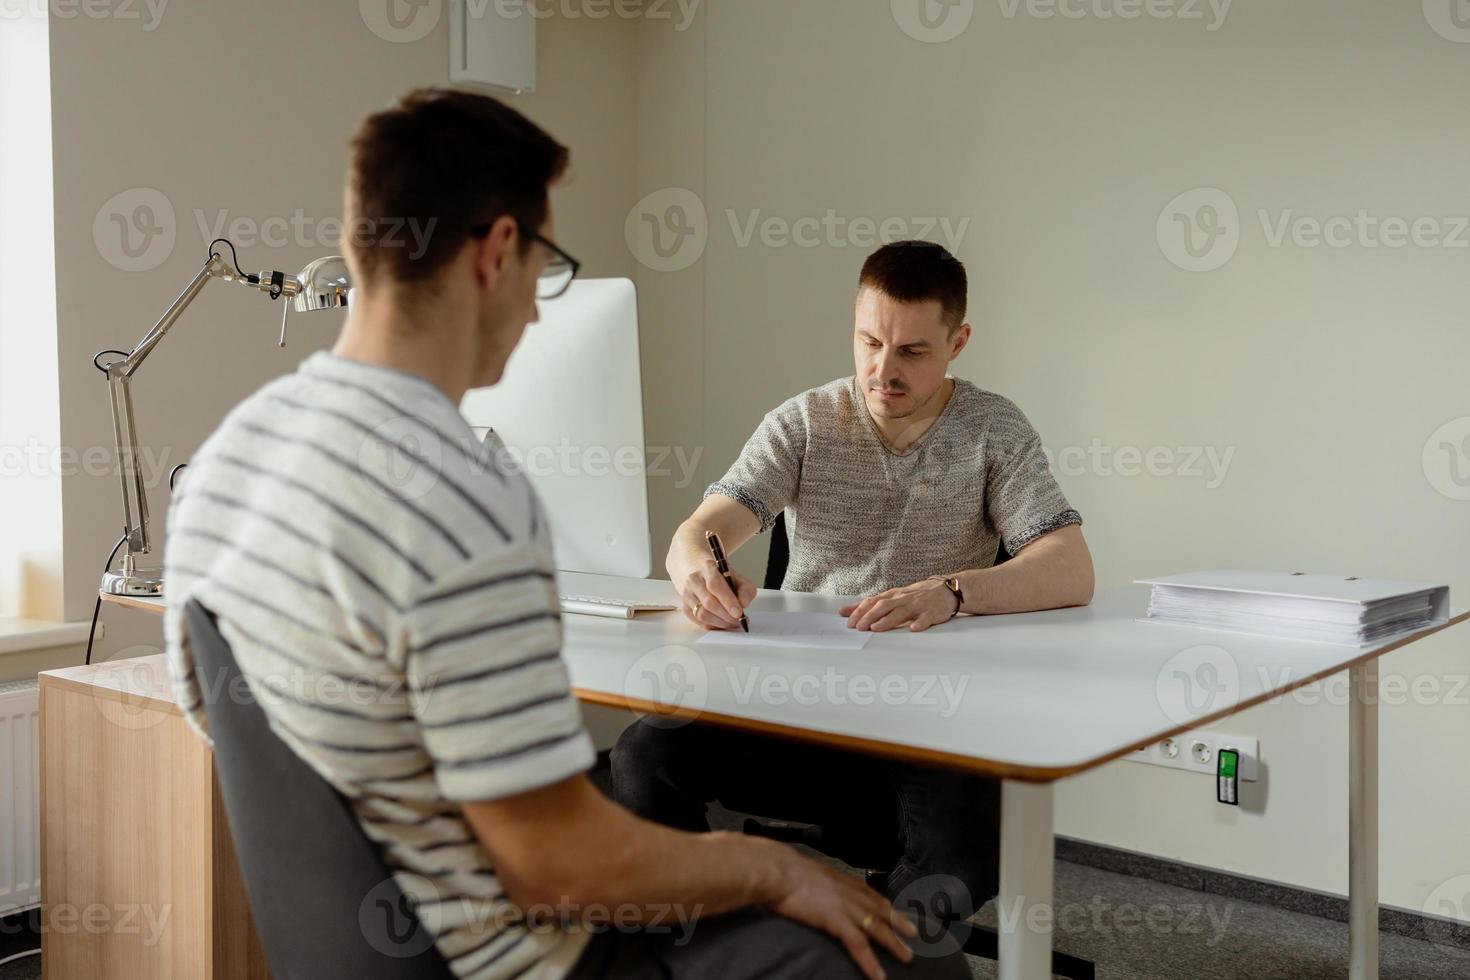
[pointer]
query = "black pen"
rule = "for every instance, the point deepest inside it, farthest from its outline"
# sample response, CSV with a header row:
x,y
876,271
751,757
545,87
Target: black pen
x,y
713,540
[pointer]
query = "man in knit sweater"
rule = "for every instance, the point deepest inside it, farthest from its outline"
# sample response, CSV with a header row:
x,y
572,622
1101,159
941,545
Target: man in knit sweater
x,y
899,486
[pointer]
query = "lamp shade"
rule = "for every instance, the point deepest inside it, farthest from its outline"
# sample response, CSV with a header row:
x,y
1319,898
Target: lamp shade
x,y
324,285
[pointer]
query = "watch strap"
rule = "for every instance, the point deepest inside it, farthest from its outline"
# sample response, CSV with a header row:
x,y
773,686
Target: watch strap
x,y
952,583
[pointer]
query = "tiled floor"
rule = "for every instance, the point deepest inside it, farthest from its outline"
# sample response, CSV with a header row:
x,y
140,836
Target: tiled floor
x,y
1135,929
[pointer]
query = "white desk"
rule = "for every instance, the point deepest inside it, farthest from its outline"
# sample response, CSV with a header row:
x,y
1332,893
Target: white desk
x,y
1048,695
1045,695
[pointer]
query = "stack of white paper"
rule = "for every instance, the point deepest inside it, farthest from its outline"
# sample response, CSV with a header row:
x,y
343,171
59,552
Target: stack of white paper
x,y
1325,608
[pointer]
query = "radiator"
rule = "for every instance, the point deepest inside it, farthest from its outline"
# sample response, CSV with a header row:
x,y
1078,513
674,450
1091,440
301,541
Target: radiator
x,y
20,797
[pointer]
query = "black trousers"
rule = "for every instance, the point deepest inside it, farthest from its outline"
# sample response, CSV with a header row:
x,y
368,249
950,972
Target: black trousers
x,y
936,833
751,945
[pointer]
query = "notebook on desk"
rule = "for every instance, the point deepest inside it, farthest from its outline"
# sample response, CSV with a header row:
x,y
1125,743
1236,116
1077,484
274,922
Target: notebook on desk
x,y
1344,609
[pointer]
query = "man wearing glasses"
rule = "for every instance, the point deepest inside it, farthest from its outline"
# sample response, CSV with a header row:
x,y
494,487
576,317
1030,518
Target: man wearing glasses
x,y
332,578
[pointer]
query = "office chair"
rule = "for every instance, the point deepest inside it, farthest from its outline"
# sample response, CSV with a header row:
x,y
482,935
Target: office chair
x,y
780,554
981,941
324,901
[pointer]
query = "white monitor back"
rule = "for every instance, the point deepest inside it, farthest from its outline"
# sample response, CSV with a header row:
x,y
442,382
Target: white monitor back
x,y
570,411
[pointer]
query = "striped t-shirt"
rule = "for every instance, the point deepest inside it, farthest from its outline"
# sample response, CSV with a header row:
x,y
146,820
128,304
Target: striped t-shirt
x,y
387,588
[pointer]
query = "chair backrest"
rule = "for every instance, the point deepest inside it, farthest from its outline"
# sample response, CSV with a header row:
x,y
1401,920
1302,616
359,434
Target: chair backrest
x,y
780,555
324,902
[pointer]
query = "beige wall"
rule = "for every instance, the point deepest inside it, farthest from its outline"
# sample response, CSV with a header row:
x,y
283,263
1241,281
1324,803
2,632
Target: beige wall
x,y
1325,370
672,141
217,109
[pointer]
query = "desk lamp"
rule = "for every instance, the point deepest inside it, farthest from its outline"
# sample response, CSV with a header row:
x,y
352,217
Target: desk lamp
x,y
322,285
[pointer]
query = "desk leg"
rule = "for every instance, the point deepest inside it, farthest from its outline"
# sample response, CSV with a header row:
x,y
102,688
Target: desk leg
x,y
1025,901
1363,822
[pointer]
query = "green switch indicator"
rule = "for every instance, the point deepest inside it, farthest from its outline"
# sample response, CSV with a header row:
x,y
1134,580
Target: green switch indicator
x,y
1227,779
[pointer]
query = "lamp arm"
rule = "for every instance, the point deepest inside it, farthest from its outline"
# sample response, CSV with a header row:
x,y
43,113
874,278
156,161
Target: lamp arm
x,y
124,430
120,395
120,374
214,268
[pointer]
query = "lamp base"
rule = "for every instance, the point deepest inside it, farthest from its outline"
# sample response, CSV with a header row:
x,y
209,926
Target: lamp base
x,y
141,581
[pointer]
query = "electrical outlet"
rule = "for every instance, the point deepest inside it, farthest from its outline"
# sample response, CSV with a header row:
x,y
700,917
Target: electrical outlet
x,y
1198,752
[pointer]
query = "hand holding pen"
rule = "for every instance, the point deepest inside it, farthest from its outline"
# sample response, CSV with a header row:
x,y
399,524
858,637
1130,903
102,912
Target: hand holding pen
x,y
713,540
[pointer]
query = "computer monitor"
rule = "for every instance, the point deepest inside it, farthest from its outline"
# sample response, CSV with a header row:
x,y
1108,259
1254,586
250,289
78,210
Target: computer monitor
x,y
570,411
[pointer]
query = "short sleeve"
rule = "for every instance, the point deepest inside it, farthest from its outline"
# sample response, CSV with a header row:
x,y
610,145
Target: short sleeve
x,y
487,682
766,475
1022,497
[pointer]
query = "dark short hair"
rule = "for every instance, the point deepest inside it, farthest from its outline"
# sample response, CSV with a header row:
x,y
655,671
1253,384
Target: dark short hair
x,y
916,271
422,174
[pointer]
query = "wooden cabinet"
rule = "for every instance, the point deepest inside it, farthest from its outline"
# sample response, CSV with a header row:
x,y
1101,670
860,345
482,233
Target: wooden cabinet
x,y
138,872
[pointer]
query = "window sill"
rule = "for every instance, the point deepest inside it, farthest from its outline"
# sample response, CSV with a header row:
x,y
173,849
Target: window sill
x,y
20,635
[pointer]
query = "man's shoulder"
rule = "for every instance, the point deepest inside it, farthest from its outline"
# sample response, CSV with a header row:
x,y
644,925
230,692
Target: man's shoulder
x,y
999,418
374,453
824,402
982,401
331,405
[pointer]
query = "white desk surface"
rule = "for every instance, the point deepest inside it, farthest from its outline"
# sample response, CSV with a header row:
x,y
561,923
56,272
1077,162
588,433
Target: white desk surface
x,y
1046,695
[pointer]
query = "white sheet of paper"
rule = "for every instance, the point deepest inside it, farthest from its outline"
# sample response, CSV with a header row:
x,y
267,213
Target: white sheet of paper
x,y
824,631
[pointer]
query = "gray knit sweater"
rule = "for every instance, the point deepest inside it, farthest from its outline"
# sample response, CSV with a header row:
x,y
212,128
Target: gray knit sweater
x,y
862,518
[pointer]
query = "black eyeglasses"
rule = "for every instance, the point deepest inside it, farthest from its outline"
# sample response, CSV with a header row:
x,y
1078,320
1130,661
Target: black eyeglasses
x,y
557,277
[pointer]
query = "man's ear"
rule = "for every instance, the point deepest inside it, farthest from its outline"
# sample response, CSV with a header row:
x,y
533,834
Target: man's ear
x,y
959,341
494,249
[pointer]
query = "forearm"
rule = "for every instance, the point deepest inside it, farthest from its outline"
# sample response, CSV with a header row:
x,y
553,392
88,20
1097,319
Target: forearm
x,y
687,550
1051,572
729,519
648,867
570,849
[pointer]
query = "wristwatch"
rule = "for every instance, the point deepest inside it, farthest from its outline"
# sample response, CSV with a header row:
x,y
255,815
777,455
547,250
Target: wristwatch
x,y
952,583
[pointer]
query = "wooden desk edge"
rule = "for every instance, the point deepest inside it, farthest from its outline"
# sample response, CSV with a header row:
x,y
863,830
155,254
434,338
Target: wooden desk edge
x,y
148,604
851,743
